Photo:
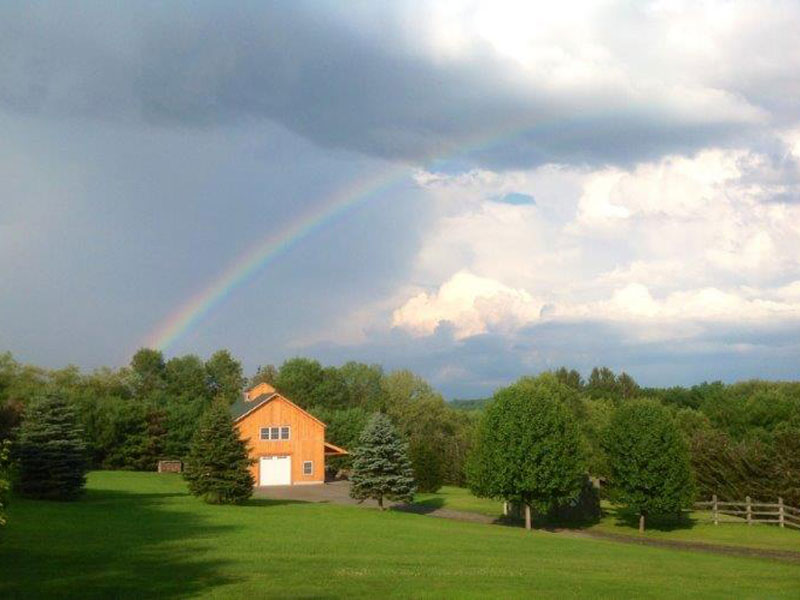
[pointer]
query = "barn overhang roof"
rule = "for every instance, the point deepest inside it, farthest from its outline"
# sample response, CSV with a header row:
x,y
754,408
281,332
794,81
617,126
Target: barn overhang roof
x,y
331,450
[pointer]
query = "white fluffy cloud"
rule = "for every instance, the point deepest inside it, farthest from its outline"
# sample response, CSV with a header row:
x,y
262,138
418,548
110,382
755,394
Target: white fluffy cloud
x,y
667,246
471,304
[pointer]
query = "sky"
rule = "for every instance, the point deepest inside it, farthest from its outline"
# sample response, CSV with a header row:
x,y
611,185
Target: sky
x,y
475,191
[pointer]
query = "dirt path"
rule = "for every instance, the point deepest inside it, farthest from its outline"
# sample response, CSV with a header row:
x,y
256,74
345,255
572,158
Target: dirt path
x,y
746,551
338,493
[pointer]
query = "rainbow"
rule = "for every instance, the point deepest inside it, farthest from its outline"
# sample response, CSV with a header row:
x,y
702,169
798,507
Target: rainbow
x,y
175,325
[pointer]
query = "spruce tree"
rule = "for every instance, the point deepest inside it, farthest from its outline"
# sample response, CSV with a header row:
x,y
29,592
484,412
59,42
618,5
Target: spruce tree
x,y
381,466
51,451
217,468
649,461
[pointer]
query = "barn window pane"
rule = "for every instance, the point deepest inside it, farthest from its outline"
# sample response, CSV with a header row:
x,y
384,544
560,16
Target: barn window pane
x,y
276,433
284,433
265,433
308,467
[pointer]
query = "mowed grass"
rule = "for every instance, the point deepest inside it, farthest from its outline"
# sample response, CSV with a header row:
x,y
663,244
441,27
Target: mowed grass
x,y
695,527
140,535
457,498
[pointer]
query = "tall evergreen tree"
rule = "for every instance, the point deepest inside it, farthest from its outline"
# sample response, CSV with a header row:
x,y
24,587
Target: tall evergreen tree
x,y
217,468
381,466
51,450
648,460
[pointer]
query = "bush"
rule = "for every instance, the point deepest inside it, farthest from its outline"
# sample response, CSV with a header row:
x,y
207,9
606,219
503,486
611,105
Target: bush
x,y
51,451
427,465
5,484
218,465
764,467
583,509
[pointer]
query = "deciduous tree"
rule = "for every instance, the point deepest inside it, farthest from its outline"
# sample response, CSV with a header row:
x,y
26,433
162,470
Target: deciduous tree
x,y
648,461
298,380
148,372
225,376
528,450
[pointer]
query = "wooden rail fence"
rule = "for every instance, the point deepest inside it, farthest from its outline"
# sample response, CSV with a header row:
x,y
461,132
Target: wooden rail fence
x,y
751,512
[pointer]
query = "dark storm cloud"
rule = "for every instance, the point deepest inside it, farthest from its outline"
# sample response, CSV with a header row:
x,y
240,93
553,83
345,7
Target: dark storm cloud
x,y
303,66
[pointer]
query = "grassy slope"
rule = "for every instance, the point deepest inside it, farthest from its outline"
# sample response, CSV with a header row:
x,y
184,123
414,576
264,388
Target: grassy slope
x,y
696,529
460,499
140,535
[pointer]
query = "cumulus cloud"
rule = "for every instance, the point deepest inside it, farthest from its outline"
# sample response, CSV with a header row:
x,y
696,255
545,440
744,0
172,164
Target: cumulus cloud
x,y
669,247
470,304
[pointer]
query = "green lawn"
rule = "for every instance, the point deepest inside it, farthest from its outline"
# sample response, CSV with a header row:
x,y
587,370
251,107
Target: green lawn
x,y
698,528
458,498
139,535
695,528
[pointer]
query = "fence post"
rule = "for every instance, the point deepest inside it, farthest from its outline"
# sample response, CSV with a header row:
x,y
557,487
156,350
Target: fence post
x,y
505,508
715,510
749,511
780,511
527,516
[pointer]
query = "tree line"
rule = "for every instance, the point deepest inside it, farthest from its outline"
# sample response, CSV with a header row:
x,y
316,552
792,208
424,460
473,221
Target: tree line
x,y
149,410
742,439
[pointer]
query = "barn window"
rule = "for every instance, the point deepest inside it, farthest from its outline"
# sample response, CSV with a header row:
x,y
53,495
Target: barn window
x,y
275,433
308,467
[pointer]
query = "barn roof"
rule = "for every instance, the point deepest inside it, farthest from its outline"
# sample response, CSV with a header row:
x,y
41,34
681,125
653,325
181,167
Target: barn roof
x,y
243,407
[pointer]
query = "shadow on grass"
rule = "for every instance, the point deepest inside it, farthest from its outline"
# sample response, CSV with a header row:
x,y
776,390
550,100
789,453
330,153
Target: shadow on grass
x,y
261,501
629,518
545,523
422,507
628,521
109,544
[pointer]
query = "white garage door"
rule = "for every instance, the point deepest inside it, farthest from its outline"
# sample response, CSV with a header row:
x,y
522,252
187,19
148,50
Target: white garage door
x,y
275,470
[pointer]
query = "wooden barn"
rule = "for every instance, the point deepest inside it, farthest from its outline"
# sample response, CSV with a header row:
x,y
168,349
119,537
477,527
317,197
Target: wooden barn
x,y
287,442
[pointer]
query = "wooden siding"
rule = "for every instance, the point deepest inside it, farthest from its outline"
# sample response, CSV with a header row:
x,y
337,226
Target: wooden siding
x,y
306,438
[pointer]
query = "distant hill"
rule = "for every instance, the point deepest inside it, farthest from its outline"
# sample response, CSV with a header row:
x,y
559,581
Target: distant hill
x,y
473,404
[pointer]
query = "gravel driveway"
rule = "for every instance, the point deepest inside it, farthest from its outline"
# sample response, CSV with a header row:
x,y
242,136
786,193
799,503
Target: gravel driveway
x,y
338,492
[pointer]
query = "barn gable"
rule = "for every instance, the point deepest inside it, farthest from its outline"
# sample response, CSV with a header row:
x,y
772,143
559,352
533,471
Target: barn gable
x,y
286,442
